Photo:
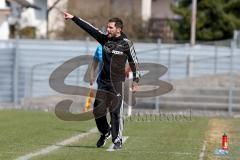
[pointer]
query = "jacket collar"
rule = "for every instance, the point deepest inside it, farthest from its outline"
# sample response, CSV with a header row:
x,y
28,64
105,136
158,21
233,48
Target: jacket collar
x,y
117,38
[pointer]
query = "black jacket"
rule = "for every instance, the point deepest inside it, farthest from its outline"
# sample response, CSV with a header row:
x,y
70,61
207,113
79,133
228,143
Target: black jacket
x,y
116,51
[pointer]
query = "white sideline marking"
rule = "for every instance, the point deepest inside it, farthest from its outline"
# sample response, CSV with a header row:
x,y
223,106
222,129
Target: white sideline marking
x,y
110,149
201,155
54,147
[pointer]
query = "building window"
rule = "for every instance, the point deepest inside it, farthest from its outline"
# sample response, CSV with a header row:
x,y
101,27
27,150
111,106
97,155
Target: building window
x,y
8,4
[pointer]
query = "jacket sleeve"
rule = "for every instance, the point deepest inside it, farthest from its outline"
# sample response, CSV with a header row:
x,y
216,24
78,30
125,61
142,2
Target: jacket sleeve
x,y
93,31
133,62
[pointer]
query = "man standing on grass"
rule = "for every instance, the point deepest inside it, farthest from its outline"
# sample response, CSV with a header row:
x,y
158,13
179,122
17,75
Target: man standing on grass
x,y
116,51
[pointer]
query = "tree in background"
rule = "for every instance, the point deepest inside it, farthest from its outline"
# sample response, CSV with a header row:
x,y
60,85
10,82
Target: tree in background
x,y
216,20
98,15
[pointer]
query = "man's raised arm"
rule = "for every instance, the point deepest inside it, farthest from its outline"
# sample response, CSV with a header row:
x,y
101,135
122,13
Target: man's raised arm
x,y
93,31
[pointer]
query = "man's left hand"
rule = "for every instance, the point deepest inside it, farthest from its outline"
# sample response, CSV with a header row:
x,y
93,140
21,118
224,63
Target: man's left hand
x,y
135,87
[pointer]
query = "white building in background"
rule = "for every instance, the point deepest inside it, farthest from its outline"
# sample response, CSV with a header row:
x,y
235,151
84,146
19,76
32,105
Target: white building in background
x,y
22,14
146,9
35,18
4,26
33,14
38,18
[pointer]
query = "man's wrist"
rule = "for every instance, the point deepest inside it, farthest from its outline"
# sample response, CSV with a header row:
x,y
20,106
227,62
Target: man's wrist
x,y
136,80
74,18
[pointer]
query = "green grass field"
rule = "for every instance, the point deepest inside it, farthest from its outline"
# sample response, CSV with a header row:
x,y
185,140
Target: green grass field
x,y
23,132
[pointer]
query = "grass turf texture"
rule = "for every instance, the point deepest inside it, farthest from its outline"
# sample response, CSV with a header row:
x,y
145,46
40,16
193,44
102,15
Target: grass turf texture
x,y
23,132
147,140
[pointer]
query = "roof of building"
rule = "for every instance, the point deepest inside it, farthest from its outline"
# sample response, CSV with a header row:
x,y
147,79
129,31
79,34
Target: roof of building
x,y
25,3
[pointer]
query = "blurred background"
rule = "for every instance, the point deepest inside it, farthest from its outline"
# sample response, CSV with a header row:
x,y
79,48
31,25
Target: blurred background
x,y
198,40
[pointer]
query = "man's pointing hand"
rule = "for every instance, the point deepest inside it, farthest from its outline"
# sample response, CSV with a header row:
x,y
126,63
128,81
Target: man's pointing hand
x,y
67,15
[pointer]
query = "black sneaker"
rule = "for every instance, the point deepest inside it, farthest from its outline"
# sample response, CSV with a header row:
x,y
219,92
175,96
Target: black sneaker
x,y
102,140
117,145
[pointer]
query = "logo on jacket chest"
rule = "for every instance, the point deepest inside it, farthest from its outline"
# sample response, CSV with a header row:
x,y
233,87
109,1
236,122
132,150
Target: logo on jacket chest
x,y
117,52
115,48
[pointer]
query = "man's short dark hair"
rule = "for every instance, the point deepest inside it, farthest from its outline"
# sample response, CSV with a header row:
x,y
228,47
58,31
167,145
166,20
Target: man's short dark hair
x,y
118,22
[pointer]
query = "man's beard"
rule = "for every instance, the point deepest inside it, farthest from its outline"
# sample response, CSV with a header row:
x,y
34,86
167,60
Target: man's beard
x,y
111,35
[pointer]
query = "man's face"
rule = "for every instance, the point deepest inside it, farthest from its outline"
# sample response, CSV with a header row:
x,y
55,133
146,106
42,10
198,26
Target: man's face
x,y
112,30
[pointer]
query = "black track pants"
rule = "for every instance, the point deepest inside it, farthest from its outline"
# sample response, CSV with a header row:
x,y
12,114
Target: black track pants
x,y
109,96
